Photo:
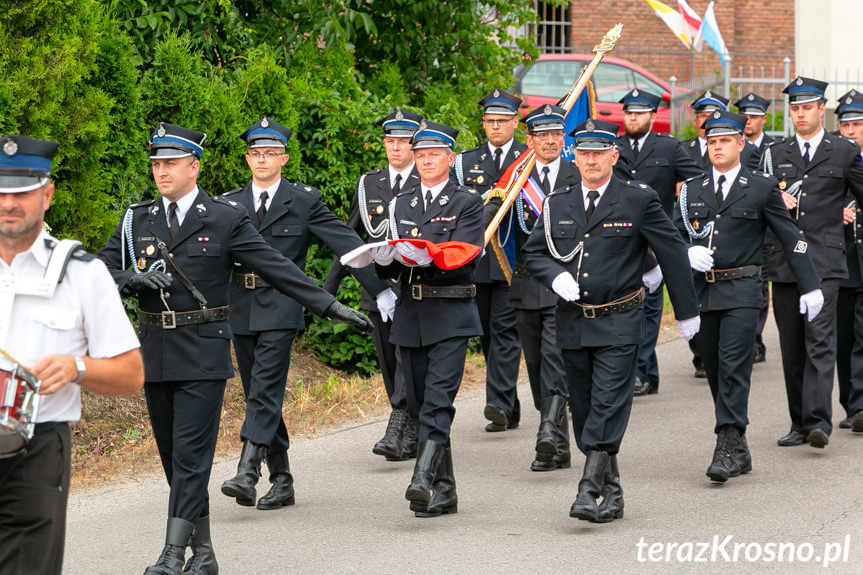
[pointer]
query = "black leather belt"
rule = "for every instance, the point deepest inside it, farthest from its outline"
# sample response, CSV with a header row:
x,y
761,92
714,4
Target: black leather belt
x,y
712,276
248,281
171,319
420,292
520,270
625,303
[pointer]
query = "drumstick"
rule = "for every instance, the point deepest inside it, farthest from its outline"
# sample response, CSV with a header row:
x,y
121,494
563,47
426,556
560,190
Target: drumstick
x,y
9,357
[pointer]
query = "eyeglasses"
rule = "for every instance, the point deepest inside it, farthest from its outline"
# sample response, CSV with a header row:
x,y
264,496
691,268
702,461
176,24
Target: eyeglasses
x,y
547,135
267,155
491,122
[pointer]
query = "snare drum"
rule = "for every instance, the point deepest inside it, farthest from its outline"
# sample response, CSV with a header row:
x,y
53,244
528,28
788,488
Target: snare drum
x,y
19,404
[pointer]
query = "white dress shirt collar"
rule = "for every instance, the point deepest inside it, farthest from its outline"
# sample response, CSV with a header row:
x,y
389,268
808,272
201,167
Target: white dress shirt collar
x,y
271,193
405,173
553,171
435,190
814,142
601,189
184,204
730,177
504,149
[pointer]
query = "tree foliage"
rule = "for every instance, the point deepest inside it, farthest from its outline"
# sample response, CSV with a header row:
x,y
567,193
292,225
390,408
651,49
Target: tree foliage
x,y
98,76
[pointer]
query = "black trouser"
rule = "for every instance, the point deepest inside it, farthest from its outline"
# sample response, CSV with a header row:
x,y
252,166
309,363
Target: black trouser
x,y
763,313
263,360
849,349
432,377
501,347
725,342
808,355
34,487
185,419
648,367
538,334
601,381
394,381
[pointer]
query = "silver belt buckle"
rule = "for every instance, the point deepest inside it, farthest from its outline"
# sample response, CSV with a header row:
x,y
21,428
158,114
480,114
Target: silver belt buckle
x,y
169,320
417,292
249,281
710,276
589,311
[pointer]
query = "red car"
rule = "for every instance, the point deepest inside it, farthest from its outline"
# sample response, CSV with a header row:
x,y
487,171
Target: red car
x,y
551,76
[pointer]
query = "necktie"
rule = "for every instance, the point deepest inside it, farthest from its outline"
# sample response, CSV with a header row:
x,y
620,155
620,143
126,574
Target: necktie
x,y
428,198
635,149
173,222
497,158
719,196
546,185
591,196
398,186
262,209
806,153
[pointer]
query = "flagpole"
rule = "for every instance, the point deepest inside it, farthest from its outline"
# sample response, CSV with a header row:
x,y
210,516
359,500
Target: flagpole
x,y
606,45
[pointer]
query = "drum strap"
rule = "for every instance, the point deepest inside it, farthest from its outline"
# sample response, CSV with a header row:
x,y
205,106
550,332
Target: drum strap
x,y
10,286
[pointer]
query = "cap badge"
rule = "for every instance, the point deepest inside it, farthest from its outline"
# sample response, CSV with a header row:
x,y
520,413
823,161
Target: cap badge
x,y
849,99
799,81
10,147
496,93
399,115
161,132
635,93
853,92
707,94
717,114
590,125
751,97
422,125
547,110
265,122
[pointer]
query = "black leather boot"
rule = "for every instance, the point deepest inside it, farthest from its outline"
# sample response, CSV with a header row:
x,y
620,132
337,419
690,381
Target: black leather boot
x,y
722,465
428,458
242,486
741,458
590,487
444,499
281,494
173,556
611,507
203,559
552,442
390,445
409,441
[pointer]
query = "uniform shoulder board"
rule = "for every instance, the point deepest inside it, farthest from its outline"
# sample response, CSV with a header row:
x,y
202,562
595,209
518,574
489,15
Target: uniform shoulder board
x,y
304,188
142,204
83,255
226,202
465,189
693,179
232,192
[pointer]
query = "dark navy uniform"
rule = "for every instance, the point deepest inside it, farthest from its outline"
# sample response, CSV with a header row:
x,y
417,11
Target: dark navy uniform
x,y
374,191
730,293
475,168
264,320
809,348
184,327
605,253
662,163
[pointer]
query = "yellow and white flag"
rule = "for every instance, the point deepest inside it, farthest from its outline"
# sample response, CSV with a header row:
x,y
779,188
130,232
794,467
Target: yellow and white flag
x,y
673,19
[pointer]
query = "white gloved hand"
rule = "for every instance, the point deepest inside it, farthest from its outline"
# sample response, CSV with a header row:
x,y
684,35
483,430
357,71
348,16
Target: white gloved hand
x,y
386,301
811,303
689,327
419,255
566,287
383,255
652,279
700,258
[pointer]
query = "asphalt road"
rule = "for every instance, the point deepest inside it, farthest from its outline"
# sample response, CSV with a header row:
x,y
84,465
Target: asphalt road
x,y
799,508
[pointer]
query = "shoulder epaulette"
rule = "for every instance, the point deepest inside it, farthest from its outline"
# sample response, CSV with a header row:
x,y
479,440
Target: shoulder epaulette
x,y
226,202
142,204
303,188
83,255
232,192
693,178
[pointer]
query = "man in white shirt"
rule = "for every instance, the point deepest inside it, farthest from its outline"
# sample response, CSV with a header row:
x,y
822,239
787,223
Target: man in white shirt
x,y
72,333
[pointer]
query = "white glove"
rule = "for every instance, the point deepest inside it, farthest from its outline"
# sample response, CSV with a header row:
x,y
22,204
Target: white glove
x,y
566,287
700,258
811,303
383,255
386,301
652,279
689,327
419,255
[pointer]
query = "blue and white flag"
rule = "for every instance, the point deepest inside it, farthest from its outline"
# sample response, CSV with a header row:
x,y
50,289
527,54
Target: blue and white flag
x,y
709,32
